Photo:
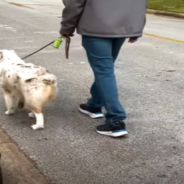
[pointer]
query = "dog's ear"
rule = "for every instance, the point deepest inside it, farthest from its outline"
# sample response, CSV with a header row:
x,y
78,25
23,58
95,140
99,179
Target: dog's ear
x,y
1,55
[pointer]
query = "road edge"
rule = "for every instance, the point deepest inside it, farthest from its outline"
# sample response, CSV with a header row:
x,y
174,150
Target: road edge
x,y
164,13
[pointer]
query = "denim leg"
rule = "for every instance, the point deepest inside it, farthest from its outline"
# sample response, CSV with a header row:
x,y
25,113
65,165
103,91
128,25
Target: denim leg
x,y
100,56
116,46
96,99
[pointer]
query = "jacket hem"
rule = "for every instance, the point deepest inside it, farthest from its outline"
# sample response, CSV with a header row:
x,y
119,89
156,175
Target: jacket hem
x,y
110,36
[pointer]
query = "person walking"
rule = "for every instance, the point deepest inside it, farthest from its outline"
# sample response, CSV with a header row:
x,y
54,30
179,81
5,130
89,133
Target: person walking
x,y
104,26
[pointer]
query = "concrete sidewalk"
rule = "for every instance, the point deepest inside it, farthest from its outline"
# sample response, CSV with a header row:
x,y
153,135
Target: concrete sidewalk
x,y
16,167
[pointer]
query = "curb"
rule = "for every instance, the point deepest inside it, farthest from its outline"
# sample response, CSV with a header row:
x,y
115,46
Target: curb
x,y
16,167
164,13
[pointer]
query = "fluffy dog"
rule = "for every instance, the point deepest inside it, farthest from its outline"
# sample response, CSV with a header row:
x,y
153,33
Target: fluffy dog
x,y
26,85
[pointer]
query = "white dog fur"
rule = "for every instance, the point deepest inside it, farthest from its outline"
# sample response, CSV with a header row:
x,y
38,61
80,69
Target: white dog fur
x,y
26,85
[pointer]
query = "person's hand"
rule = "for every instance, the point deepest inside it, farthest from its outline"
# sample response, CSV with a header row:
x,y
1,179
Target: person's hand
x,y
132,40
66,36
66,33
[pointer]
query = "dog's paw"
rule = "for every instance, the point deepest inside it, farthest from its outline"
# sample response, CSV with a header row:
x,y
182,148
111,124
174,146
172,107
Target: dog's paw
x,y
31,115
10,112
36,127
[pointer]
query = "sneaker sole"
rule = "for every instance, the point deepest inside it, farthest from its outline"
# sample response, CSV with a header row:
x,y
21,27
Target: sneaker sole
x,y
114,134
91,115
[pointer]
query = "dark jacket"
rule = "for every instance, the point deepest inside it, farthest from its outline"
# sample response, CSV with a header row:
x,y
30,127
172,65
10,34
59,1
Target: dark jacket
x,y
104,18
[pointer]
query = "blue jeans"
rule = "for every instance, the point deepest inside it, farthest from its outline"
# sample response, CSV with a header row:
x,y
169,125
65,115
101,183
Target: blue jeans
x,y
102,53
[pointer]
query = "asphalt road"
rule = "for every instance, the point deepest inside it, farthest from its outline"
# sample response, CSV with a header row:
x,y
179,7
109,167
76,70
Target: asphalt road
x,y
151,84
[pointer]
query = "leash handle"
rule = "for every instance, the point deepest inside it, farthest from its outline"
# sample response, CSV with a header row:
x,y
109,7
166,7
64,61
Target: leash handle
x,y
67,46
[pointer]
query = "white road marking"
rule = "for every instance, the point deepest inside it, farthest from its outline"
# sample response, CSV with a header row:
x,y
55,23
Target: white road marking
x,y
42,32
11,38
2,25
8,28
24,47
47,51
82,62
29,41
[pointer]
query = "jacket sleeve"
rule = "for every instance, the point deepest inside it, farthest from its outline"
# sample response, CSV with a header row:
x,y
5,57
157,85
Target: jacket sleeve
x,y
71,15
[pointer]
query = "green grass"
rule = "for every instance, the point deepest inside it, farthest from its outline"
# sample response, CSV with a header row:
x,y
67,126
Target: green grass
x,y
176,6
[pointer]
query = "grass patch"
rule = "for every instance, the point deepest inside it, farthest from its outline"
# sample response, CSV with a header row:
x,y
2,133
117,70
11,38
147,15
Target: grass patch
x,y
176,6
